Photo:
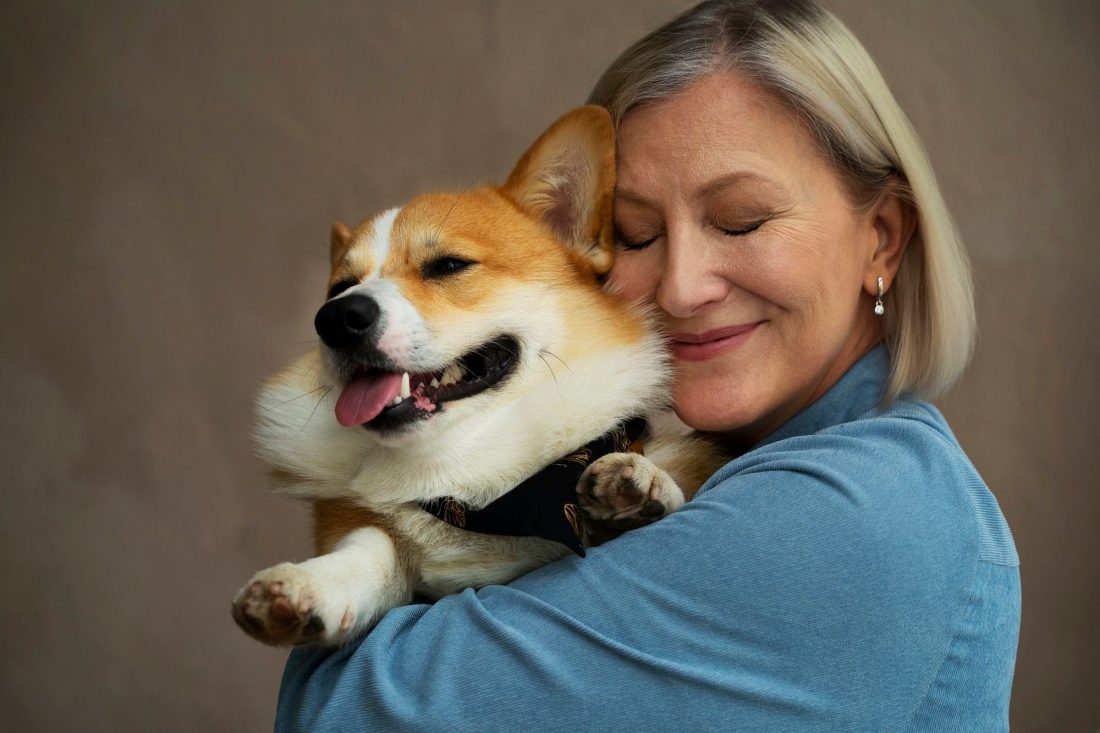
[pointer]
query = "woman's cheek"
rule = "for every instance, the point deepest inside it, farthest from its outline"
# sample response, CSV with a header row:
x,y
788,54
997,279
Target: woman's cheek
x,y
634,275
788,272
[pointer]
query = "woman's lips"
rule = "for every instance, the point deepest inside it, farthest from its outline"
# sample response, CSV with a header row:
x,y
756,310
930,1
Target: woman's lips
x,y
707,345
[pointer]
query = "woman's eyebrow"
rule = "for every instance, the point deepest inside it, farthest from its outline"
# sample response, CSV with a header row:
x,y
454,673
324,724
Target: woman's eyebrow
x,y
623,194
709,188
735,179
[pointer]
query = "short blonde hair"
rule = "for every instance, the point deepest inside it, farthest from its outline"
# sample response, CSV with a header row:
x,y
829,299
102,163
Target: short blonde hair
x,y
808,58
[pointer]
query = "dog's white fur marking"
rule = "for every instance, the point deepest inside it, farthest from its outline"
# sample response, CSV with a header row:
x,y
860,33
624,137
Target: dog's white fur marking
x,y
380,240
373,245
404,334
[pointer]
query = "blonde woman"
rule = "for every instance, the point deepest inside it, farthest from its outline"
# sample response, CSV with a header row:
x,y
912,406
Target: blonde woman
x,y
848,570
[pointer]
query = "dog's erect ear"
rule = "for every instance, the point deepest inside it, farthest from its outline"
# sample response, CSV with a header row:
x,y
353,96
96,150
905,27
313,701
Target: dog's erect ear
x,y
338,242
567,179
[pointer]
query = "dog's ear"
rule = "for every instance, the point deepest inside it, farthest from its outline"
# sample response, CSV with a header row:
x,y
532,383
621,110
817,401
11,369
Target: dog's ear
x,y
338,242
567,179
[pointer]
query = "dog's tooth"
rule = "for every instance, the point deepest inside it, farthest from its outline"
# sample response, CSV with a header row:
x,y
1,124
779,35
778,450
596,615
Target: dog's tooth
x,y
434,382
396,399
405,391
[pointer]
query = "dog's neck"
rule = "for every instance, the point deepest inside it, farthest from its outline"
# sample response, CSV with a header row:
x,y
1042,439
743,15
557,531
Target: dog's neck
x,y
545,504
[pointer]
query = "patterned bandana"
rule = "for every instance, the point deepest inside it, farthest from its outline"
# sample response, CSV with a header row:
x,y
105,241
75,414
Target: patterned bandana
x,y
545,505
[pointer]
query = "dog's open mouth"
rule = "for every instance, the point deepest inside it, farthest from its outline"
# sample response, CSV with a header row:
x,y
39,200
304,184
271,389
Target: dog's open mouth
x,y
381,399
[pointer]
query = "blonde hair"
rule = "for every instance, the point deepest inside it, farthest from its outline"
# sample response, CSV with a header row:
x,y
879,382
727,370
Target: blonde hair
x,y
807,57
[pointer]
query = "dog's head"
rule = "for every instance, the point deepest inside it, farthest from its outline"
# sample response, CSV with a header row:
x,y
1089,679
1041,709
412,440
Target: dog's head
x,y
456,303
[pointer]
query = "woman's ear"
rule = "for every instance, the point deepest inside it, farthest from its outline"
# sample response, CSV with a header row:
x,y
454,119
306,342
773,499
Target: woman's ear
x,y
893,220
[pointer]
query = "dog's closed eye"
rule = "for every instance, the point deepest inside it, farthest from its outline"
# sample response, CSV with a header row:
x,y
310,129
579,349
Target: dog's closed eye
x,y
444,267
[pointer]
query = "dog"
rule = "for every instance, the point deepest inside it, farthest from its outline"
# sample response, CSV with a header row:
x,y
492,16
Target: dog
x,y
472,364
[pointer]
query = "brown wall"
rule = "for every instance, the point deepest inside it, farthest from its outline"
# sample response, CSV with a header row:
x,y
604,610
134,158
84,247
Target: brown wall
x,y
169,173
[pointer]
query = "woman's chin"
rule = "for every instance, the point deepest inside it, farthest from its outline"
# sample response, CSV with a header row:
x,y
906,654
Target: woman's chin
x,y
715,408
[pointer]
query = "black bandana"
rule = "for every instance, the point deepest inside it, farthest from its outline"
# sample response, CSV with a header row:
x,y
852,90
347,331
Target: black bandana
x,y
545,505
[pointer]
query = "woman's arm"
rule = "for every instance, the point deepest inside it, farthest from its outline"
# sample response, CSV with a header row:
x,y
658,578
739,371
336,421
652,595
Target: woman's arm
x,y
791,596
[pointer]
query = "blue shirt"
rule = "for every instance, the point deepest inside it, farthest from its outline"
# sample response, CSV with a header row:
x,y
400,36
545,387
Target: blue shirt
x,y
851,572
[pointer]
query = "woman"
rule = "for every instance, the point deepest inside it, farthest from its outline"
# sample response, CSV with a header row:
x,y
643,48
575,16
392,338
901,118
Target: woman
x,y
848,570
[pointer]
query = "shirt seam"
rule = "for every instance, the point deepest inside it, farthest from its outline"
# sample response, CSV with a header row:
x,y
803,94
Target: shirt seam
x,y
973,608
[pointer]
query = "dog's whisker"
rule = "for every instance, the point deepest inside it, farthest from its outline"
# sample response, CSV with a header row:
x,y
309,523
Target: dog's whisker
x,y
304,394
554,375
549,368
314,411
485,349
443,221
551,353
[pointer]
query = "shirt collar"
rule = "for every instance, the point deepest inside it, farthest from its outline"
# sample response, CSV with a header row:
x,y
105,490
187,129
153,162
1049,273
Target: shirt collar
x,y
857,392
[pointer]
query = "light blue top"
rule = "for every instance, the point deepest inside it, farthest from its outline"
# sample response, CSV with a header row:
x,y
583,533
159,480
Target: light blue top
x,y
852,572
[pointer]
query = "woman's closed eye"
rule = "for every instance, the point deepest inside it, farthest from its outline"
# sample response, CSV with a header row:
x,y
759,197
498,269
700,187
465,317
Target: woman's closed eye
x,y
641,240
635,241
739,230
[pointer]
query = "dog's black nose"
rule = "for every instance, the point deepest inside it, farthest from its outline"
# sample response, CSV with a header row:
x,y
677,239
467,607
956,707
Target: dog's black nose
x,y
345,323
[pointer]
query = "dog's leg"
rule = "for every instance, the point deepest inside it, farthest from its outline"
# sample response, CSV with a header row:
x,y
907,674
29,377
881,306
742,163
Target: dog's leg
x,y
326,599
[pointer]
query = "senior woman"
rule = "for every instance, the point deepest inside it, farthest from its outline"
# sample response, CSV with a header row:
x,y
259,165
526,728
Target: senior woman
x,y
848,570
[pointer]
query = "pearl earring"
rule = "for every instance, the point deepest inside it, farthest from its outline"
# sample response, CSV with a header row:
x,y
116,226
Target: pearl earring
x,y
879,307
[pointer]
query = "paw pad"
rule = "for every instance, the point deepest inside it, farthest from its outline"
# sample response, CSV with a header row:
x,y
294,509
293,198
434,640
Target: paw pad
x,y
627,487
269,612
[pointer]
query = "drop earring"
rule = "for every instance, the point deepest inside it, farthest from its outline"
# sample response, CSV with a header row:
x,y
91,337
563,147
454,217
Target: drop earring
x,y
879,307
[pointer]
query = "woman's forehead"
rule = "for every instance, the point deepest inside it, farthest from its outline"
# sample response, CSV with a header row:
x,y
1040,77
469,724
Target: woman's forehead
x,y
723,130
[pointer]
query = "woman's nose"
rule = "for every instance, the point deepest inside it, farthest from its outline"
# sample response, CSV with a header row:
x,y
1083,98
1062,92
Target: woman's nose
x,y
689,278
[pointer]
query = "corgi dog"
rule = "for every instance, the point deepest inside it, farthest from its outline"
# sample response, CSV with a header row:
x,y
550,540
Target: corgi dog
x,y
468,346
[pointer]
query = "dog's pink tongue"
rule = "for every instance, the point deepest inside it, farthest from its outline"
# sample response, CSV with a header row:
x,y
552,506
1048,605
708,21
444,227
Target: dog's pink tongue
x,y
365,396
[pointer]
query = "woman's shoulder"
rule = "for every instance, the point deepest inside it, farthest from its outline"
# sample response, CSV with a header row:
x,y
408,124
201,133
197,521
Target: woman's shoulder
x,y
873,536
898,467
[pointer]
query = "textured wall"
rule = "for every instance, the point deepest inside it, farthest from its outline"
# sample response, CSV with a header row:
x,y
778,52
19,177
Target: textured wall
x,y
168,178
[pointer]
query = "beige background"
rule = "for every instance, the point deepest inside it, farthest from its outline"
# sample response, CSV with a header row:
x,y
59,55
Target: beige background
x,y
169,173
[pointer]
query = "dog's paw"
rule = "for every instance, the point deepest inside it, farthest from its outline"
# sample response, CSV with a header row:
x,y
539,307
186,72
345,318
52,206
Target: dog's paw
x,y
627,489
280,606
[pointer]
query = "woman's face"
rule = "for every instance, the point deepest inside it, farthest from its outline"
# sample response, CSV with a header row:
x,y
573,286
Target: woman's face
x,y
731,221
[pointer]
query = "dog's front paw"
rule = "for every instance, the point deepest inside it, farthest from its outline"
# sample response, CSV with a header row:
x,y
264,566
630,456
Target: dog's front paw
x,y
279,606
627,489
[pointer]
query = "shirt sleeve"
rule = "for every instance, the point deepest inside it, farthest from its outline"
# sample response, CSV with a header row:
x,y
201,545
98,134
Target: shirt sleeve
x,y
795,593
